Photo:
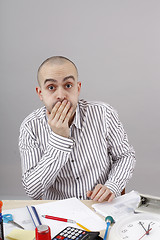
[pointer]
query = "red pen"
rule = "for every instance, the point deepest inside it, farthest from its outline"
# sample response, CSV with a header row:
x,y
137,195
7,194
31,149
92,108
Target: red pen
x,y
65,220
59,219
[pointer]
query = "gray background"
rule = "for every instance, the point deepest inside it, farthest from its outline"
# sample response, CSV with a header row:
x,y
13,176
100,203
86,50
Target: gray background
x,y
116,47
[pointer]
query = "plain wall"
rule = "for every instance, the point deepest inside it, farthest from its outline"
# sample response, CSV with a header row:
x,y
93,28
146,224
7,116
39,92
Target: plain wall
x,y
116,47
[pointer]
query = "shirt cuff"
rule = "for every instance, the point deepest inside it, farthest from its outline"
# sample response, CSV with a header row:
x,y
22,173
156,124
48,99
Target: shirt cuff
x,y
114,188
61,143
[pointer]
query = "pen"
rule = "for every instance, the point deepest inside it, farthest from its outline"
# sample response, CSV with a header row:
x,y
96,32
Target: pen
x,y
36,214
109,220
59,219
65,220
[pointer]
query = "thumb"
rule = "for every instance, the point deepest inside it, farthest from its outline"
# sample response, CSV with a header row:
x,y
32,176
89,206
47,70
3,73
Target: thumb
x,y
89,193
47,113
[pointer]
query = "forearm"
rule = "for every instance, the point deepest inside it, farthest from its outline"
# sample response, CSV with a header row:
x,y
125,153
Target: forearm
x,y
121,172
40,170
122,155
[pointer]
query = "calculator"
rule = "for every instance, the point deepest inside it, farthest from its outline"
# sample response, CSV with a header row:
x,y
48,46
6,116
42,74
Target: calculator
x,y
71,233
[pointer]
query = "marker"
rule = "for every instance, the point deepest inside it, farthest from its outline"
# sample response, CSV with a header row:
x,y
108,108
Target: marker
x,y
1,222
65,220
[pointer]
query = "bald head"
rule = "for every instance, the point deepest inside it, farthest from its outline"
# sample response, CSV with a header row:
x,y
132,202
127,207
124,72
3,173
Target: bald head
x,y
55,60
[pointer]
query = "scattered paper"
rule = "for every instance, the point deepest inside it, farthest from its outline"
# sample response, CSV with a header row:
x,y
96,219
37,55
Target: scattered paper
x,y
120,206
20,234
73,209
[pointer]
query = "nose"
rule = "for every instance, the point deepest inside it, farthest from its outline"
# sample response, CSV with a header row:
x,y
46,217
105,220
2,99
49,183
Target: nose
x,y
60,94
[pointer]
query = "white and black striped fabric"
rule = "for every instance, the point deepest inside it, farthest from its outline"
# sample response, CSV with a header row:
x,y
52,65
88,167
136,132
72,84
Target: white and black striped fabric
x,y
98,152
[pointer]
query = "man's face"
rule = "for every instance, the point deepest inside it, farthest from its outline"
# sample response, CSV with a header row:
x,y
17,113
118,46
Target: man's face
x,y
58,82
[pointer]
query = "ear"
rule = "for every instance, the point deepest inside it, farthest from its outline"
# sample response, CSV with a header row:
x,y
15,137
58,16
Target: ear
x,y
39,92
79,87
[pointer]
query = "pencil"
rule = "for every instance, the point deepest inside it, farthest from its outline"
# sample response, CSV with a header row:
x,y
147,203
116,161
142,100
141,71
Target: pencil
x,y
86,229
65,220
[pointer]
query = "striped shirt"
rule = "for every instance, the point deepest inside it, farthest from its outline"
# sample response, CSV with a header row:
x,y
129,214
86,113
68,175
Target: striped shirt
x,y
97,152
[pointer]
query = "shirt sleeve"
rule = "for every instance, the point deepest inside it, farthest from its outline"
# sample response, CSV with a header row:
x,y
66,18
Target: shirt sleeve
x,y
122,155
39,169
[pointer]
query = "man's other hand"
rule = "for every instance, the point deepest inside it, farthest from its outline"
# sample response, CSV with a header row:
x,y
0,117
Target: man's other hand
x,y
101,193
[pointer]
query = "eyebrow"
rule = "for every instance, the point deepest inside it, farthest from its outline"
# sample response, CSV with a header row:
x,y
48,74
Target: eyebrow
x,y
54,80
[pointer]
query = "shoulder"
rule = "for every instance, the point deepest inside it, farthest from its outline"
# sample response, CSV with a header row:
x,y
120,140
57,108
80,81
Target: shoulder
x,y
93,105
34,117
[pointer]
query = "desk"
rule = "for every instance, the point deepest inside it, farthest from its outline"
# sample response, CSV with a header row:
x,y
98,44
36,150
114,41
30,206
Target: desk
x,y
11,204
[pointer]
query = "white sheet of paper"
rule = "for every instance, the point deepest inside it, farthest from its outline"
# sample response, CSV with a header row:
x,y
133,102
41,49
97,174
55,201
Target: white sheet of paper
x,y
72,209
120,206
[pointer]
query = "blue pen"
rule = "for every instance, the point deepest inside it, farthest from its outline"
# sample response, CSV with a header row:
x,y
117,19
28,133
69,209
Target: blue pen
x,y
31,216
109,220
36,214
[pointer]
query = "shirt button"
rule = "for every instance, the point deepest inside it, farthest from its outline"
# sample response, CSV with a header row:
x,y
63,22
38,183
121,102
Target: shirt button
x,y
72,160
77,178
80,197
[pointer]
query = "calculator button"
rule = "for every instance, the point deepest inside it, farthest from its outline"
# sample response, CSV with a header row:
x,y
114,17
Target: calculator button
x,y
66,238
83,232
60,237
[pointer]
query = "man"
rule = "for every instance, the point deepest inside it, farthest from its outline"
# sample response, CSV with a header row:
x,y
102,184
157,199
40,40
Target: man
x,y
70,147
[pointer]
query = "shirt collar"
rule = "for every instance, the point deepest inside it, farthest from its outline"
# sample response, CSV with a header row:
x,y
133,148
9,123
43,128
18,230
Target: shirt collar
x,y
76,120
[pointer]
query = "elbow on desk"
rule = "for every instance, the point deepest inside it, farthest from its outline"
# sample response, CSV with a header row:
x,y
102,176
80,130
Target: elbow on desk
x,y
32,191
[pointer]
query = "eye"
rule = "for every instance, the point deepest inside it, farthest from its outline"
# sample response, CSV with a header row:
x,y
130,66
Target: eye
x,y
51,87
68,85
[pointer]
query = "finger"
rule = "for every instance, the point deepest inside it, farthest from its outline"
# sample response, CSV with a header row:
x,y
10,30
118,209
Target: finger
x,y
100,194
111,197
65,112
96,190
89,193
105,196
59,110
48,113
54,110
68,115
